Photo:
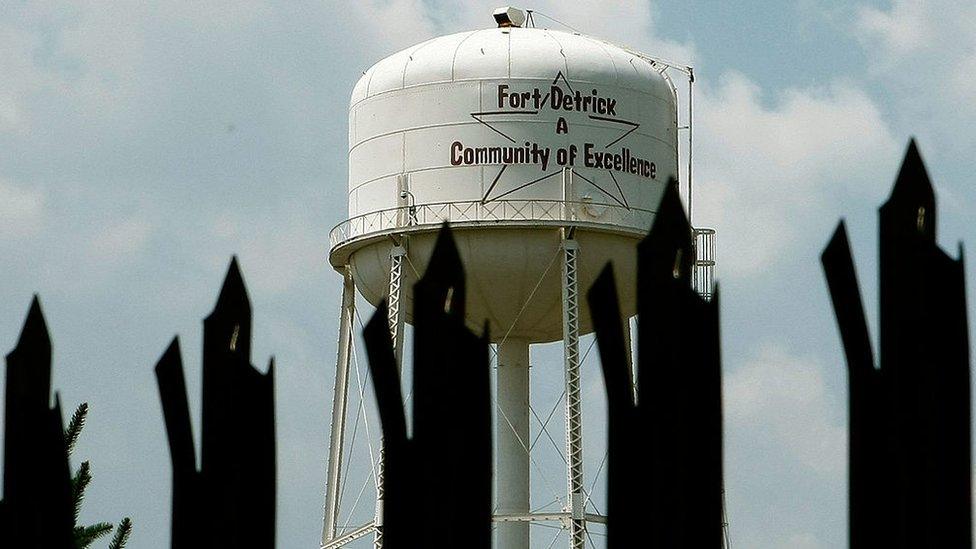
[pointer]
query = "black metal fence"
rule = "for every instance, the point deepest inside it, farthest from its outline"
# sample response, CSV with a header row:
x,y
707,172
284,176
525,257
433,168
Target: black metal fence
x,y
910,462
36,510
664,470
230,500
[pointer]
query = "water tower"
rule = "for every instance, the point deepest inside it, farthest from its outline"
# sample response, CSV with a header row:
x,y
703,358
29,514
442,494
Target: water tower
x,y
548,153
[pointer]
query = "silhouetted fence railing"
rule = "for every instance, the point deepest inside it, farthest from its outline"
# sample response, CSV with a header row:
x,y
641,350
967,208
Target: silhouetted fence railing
x,y
230,500
36,510
910,461
664,467
910,464
444,469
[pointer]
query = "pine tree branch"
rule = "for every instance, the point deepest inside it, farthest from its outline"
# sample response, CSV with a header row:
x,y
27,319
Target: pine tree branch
x,y
121,534
78,485
85,535
75,426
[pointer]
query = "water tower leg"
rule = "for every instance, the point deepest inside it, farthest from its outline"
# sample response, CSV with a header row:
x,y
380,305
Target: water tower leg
x,y
512,433
340,394
395,320
631,359
574,399
396,317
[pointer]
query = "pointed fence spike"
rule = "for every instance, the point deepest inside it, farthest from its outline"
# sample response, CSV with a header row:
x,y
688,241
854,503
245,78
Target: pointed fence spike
x,y
34,334
667,248
399,465
909,418
386,379
29,365
179,431
228,327
623,478
233,293
445,255
444,279
607,322
845,294
911,206
176,410
237,432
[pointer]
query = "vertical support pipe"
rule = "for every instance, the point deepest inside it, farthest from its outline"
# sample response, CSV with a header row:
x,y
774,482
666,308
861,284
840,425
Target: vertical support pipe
x,y
726,536
395,319
512,434
629,356
339,398
691,89
567,193
574,419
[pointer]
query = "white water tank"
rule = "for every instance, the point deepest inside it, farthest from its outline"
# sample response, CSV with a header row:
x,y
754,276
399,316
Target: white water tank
x,y
511,134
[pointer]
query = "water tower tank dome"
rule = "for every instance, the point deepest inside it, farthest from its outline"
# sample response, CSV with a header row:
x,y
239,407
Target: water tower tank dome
x,y
515,53
511,134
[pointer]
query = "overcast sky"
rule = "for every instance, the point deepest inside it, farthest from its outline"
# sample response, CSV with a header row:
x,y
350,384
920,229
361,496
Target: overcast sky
x,y
143,144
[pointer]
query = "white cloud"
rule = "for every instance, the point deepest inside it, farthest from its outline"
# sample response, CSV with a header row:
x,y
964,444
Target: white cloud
x,y
279,251
120,240
383,27
396,24
924,54
783,399
22,77
905,28
770,172
21,210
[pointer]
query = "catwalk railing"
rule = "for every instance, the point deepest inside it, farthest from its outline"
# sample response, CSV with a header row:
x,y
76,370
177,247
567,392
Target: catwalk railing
x,y
538,212
910,458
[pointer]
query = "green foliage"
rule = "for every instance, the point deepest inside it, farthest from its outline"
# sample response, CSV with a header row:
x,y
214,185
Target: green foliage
x,y
78,484
85,535
122,534
75,426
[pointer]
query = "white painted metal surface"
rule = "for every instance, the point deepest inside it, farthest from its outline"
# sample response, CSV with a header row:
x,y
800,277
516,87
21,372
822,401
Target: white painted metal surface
x,y
340,393
481,124
512,441
450,113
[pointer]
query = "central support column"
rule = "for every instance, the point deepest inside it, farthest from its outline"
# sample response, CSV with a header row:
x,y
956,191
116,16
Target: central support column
x,y
512,433
574,399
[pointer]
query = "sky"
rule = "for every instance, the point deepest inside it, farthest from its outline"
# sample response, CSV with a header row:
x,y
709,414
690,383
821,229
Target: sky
x,y
142,145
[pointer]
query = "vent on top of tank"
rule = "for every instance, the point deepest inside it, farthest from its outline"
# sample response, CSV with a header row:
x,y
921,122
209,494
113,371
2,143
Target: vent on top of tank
x,y
508,16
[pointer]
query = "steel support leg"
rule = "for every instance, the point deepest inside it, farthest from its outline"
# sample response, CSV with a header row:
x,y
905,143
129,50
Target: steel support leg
x,y
631,359
512,435
726,537
574,419
340,393
395,318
